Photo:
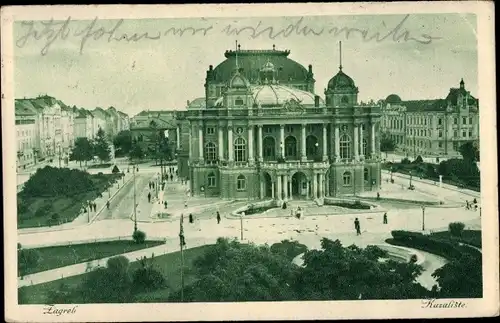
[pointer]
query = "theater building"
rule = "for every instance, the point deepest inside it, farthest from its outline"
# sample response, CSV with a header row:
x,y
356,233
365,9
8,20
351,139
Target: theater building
x,y
264,134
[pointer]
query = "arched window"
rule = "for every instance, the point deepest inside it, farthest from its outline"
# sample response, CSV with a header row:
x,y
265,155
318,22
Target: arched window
x,y
241,183
311,146
366,175
347,178
344,100
345,143
210,151
211,180
269,148
240,150
290,147
365,145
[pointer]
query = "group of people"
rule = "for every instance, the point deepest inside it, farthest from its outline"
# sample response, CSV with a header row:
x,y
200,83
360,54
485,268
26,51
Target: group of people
x,y
92,207
471,205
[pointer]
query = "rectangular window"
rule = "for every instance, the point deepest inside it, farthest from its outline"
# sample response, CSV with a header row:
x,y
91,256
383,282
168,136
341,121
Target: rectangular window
x,y
210,130
455,120
470,133
464,120
289,128
440,144
440,133
440,121
238,101
211,180
464,134
268,130
455,134
470,120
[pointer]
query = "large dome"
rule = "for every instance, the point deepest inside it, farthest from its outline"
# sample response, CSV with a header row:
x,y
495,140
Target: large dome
x,y
277,95
341,81
393,99
251,63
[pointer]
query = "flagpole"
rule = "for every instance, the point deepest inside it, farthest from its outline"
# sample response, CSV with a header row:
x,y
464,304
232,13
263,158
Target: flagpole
x,y
181,235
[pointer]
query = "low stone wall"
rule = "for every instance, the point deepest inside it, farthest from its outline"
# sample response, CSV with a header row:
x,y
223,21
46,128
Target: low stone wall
x,y
390,199
353,202
401,253
268,203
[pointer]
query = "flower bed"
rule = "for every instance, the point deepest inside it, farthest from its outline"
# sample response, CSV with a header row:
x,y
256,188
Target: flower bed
x,y
255,208
350,204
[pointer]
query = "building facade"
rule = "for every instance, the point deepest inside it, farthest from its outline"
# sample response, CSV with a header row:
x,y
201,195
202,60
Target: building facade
x,y
84,124
67,130
26,135
263,133
432,127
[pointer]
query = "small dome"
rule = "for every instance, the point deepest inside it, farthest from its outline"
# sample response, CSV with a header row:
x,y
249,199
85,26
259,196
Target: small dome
x,y
239,81
268,66
393,99
341,81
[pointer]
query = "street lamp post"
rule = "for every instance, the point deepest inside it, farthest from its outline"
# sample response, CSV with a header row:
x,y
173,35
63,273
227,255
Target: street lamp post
x,y
423,218
410,178
135,204
241,224
392,170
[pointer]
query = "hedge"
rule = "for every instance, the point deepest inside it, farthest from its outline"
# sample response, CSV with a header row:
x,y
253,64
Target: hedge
x,y
445,248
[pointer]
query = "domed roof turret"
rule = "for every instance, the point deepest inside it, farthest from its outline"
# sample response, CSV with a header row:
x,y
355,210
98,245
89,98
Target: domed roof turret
x,y
341,81
268,67
393,99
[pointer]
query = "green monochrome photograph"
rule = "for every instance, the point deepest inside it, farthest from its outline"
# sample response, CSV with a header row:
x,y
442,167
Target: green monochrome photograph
x,y
288,161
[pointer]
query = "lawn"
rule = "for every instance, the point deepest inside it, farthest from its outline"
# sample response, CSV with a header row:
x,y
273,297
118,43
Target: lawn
x,y
67,208
61,256
169,264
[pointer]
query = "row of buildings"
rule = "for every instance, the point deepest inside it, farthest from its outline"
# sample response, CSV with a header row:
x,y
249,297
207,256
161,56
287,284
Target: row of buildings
x,y
261,131
47,128
432,127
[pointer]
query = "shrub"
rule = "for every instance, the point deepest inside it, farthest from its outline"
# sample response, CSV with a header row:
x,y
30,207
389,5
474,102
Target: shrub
x,y
49,181
147,278
22,207
456,228
139,236
115,170
418,160
405,161
289,248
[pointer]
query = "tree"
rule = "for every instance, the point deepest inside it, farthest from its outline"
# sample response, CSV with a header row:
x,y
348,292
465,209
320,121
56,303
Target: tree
x,y
139,236
460,278
82,151
27,260
101,146
456,228
136,152
339,273
387,144
469,151
123,141
112,284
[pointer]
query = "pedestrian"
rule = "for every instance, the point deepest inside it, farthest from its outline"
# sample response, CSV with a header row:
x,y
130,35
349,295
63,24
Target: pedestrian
x,y
378,196
185,204
357,226
466,205
165,204
191,220
475,207
385,218
166,177
95,206
149,185
149,197
171,177
137,169
218,217
475,201
107,204
153,184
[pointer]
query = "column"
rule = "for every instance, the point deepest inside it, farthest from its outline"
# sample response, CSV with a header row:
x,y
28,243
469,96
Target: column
x,y
307,188
261,188
321,183
279,182
327,186
303,156
250,144
313,186
230,144
272,190
325,155
285,187
337,142
221,144
372,137
361,140
282,140
191,143
178,134
200,141
356,143
290,187
259,134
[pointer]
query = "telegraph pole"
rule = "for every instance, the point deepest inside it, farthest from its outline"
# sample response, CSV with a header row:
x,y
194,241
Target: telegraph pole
x,y
135,204
423,218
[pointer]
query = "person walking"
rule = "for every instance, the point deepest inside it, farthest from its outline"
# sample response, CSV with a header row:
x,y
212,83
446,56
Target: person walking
x,y
474,201
385,218
191,219
107,204
165,204
357,226
218,217
171,177
149,197
378,196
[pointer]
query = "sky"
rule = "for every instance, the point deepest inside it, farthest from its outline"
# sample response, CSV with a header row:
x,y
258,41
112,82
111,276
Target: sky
x,y
163,73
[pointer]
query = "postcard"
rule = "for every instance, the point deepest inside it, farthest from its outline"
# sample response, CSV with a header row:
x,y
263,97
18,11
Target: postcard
x,y
249,162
